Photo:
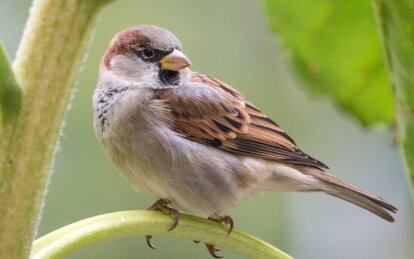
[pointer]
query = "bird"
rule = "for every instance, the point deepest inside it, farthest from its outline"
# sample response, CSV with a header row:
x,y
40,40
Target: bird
x,y
191,141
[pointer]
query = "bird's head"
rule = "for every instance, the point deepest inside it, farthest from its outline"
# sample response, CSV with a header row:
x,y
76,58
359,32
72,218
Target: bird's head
x,y
146,56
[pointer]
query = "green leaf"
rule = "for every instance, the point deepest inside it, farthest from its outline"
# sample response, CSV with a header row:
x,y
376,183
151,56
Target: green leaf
x,y
74,237
10,92
335,48
397,30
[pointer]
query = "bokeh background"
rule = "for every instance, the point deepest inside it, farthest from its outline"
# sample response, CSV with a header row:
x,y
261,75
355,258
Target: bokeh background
x,y
230,40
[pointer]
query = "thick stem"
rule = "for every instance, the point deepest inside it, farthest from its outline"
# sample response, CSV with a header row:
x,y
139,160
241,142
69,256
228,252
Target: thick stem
x,y
10,104
46,66
76,236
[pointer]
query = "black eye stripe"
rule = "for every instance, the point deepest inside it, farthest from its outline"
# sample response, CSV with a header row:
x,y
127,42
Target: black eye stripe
x,y
156,57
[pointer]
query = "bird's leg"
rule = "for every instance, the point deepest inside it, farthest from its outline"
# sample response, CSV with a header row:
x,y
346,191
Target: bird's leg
x,y
221,219
161,204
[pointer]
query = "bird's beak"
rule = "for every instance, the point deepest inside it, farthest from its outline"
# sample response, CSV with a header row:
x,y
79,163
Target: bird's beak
x,y
175,61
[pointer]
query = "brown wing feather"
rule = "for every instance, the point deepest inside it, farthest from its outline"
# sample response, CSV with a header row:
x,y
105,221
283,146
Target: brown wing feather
x,y
223,117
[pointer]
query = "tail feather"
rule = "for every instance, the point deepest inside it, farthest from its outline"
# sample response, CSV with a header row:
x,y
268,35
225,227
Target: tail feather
x,y
362,201
353,194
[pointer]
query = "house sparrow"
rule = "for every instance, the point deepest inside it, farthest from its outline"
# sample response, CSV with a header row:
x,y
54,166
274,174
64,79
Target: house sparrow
x,y
194,142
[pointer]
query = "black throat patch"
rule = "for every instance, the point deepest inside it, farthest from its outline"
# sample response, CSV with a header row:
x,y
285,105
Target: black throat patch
x,y
169,77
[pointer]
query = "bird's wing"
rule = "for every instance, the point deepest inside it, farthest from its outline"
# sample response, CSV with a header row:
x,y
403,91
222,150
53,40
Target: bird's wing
x,y
211,112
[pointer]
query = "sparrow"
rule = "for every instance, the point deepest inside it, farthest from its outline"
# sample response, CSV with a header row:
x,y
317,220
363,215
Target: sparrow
x,y
192,141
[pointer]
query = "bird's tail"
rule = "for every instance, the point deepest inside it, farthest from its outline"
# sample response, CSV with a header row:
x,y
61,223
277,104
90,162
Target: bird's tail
x,y
353,194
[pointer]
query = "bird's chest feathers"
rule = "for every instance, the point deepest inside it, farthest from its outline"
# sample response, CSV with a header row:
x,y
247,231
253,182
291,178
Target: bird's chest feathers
x,y
105,101
130,126
128,119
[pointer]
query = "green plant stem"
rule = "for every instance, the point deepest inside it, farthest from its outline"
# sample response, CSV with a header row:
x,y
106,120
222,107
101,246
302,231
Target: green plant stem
x,y
76,236
10,92
396,27
46,67
10,104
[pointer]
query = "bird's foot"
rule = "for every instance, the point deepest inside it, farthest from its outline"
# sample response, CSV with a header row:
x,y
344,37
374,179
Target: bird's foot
x,y
222,219
161,204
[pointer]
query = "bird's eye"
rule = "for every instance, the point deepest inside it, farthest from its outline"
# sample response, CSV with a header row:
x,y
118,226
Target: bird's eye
x,y
148,52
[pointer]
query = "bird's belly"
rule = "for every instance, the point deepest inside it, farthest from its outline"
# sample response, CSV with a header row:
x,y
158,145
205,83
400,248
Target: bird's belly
x,y
197,179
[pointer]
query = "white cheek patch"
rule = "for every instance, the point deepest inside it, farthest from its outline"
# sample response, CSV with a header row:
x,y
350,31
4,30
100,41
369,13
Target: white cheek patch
x,y
151,75
133,69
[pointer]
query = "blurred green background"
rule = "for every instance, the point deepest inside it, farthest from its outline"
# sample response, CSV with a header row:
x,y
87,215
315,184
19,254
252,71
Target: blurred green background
x,y
230,40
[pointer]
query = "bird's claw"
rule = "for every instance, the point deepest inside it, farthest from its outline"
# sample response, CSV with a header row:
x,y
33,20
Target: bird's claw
x,y
173,213
161,204
213,250
224,219
221,219
149,242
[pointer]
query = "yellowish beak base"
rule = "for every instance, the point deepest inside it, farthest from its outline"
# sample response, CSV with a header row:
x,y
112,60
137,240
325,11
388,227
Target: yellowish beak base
x,y
175,61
